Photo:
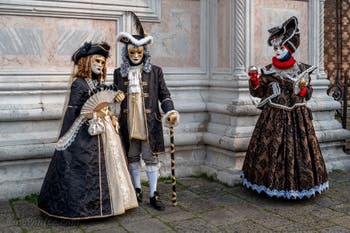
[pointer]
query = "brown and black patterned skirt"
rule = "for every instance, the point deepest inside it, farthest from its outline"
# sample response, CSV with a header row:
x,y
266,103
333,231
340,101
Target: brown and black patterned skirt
x,y
284,158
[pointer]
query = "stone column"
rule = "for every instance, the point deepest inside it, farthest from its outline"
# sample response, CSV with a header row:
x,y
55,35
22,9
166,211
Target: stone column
x,y
316,41
322,73
240,27
230,109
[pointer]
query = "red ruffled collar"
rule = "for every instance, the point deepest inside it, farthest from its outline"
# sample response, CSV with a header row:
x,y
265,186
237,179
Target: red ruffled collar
x,y
283,64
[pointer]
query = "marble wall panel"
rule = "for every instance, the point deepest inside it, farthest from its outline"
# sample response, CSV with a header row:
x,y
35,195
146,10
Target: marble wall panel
x,y
47,43
270,13
21,41
224,34
177,37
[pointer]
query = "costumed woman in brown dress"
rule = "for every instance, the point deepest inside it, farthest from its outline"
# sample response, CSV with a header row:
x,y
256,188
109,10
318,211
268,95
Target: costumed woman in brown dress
x,y
284,158
88,175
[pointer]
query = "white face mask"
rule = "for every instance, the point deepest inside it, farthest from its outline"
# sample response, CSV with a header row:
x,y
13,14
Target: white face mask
x,y
135,53
280,52
97,64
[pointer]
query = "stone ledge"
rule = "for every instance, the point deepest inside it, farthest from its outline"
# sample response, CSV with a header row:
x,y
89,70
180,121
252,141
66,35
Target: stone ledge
x,y
96,9
227,176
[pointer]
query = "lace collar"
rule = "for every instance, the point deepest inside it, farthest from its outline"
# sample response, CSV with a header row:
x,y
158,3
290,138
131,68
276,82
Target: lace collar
x,y
92,83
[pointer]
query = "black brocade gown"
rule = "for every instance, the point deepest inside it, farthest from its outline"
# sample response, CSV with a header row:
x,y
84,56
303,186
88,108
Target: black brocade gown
x,y
283,157
76,185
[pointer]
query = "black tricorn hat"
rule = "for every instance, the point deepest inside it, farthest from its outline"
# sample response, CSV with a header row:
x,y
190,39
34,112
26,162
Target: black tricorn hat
x,y
139,39
88,49
286,34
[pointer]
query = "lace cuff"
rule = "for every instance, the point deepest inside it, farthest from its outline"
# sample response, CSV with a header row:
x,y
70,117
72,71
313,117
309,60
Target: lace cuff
x,y
66,140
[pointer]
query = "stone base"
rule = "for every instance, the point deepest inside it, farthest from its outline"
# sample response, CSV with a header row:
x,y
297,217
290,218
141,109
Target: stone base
x,y
225,166
188,161
335,157
22,177
224,175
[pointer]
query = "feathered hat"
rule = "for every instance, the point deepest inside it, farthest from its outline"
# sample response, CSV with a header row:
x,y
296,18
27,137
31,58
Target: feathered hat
x,y
88,48
286,34
140,38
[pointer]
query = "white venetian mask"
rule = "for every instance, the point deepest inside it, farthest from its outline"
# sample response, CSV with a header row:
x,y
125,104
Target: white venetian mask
x,y
280,52
97,63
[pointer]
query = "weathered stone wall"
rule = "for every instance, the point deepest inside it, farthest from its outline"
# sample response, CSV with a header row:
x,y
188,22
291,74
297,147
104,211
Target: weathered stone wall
x,y
204,47
232,113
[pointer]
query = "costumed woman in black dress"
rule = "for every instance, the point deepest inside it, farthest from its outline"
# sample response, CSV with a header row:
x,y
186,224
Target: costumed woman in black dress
x,y
284,158
88,175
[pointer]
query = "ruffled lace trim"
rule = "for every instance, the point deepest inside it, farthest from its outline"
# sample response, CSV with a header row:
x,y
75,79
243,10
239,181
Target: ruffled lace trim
x,y
66,140
288,194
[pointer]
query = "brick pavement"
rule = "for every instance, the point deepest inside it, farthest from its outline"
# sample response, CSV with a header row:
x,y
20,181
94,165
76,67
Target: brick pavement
x,y
204,206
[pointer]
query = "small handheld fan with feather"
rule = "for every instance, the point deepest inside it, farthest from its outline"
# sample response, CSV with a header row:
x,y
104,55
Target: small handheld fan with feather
x,y
101,96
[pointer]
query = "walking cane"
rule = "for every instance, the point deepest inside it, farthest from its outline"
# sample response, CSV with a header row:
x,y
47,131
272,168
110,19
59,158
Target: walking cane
x,y
172,157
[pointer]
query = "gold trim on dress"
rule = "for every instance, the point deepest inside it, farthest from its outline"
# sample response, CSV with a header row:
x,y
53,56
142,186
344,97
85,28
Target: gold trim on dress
x,y
82,218
99,174
77,218
109,187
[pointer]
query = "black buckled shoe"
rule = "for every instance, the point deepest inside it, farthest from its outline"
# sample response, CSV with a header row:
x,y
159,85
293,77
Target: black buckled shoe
x,y
139,195
156,203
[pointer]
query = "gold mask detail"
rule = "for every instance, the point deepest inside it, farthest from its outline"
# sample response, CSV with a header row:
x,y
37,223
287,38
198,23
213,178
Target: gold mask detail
x,y
135,53
97,63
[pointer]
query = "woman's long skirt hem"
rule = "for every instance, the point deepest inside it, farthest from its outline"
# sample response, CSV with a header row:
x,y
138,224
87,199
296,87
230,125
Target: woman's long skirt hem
x,y
286,194
87,217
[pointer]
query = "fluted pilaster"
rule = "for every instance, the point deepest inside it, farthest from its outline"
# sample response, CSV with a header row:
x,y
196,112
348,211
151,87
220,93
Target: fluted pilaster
x,y
321,69
316,34
240,41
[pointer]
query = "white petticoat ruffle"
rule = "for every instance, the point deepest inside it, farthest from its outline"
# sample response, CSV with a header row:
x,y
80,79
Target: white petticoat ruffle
x,y
288,194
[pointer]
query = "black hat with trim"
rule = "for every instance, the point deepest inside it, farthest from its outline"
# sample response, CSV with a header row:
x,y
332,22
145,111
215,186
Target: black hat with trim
x,y
88,48
139,39
287,34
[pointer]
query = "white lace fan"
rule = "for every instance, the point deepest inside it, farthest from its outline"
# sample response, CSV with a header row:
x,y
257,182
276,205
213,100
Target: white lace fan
x,y
103,96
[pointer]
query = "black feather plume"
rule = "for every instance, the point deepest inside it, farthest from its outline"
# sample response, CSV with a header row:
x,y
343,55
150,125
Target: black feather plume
x,y
138,24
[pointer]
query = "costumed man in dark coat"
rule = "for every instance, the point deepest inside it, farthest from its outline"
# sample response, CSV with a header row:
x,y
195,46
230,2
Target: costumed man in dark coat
x,y
88,175
284,158
140,119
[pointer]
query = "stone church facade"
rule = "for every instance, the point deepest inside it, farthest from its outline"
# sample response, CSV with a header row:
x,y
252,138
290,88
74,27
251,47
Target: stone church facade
x,y
204,48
